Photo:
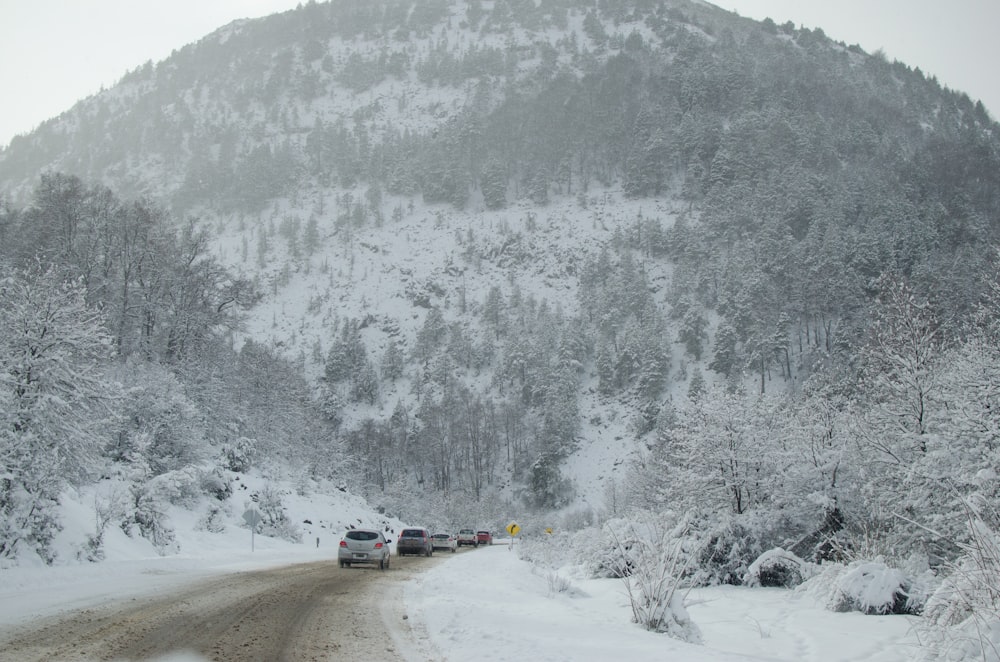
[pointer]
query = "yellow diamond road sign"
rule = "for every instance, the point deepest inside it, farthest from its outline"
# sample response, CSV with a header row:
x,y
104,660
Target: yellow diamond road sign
x,y
513,529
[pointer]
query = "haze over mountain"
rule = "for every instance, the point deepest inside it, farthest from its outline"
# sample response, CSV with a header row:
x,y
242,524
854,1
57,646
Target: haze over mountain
x,y
464,257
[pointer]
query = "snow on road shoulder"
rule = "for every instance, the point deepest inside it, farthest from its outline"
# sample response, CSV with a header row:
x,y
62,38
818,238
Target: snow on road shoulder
x,y
490,602
27,594
133,567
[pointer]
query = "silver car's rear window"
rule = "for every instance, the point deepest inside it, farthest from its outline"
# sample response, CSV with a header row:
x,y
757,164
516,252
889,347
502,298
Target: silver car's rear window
x,y
362,535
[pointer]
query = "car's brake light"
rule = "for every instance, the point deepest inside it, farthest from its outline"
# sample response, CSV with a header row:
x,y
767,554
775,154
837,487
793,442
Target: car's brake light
x,y
343,543
378,545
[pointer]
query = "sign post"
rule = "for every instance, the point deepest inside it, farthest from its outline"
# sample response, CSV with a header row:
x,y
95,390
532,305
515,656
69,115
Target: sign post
x,y
252,518
513,529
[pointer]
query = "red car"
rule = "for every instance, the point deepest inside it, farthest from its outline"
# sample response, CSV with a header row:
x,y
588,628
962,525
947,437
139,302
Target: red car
x,y
484,537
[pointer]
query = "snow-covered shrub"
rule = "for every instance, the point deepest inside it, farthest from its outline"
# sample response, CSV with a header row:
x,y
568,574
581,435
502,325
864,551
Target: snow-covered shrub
x,y
28,523
546,554
213,520
777,567
180,488
962,622
608,552
216,485
714,551
874,588
109,506
92,549
145,516
274,519
240,455
867,537
962,617
558,583
726,550
830,540
651,564
648,554
550,551
611,550
870,587
823,586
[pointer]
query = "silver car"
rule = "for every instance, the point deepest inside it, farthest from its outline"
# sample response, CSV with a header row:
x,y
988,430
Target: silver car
x,y
364,546
444,541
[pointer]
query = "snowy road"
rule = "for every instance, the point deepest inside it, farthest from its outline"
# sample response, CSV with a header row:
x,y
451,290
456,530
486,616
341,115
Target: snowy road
x,y
308,611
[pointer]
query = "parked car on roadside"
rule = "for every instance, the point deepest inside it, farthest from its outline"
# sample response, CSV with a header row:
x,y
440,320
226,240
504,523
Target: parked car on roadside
x,y
468,537
363,546
414,541
484,537
444,541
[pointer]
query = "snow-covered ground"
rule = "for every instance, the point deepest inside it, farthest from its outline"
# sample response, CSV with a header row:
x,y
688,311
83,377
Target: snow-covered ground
x,y
489,602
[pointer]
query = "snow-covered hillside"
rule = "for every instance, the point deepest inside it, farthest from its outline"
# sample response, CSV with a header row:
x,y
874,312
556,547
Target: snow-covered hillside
x,y
389,275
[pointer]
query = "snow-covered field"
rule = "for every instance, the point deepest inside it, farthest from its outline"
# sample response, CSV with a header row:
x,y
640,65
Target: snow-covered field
x,y
489,602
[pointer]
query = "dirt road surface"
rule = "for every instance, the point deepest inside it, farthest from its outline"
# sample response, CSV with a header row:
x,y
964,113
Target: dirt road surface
x,y
306,612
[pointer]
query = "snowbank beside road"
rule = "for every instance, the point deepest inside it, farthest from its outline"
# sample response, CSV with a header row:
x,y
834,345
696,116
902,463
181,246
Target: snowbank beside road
x,y
489,602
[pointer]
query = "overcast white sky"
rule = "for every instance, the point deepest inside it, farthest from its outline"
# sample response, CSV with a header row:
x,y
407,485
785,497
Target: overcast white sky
x,y
56,52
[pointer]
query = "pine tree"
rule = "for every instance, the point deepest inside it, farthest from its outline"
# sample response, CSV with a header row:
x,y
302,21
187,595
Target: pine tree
x,y
431,336
347,355
392,361
494,313
494,185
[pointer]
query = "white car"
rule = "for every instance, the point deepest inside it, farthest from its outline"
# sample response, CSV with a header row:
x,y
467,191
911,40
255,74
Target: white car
x,y
444,541
468,537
